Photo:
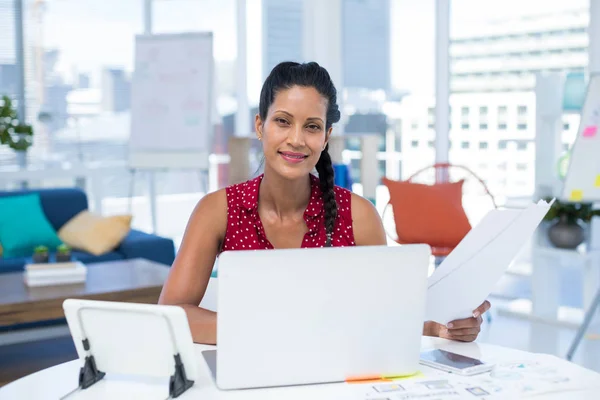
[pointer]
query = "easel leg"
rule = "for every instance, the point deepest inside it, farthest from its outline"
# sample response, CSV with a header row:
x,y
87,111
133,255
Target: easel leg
x,y
589,315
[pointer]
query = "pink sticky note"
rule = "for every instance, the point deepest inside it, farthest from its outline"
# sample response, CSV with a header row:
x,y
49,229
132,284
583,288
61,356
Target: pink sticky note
x,y
590,131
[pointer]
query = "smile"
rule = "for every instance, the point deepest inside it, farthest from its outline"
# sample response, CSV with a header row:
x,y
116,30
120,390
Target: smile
x,y
291,157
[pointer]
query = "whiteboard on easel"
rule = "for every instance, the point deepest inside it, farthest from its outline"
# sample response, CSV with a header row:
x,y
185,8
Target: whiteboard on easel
x,y
171,101
582,183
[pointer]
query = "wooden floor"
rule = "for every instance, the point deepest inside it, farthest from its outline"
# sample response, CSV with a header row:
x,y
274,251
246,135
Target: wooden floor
x,y
18,360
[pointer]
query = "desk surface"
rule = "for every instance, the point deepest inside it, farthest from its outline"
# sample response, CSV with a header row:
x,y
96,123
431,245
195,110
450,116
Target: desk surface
x,y
135,280
57,381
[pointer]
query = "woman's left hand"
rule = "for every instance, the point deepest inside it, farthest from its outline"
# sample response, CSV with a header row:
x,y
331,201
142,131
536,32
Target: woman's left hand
x,y
465,330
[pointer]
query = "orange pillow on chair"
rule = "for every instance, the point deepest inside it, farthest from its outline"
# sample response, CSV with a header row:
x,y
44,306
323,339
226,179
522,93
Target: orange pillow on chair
x,y
430,214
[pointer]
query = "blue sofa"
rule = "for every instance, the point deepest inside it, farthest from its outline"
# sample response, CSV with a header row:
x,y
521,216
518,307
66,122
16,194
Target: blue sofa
x,y
60,205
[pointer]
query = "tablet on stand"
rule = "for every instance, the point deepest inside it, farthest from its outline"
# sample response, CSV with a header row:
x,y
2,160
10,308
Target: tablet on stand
x,y
132,339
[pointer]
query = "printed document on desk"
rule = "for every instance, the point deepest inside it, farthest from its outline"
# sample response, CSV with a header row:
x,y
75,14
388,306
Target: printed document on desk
x,y
468,275
518,379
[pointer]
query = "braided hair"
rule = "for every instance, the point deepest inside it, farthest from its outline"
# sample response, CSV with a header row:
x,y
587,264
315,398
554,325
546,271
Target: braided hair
x,y
286,75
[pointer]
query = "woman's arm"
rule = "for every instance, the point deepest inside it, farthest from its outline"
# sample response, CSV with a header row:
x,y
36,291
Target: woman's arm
x,y
193,265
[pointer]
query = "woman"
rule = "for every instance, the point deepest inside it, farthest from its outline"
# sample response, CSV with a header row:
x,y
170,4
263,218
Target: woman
x,y
286,206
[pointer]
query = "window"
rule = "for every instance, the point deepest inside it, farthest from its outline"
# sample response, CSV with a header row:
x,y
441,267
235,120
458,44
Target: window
x,y
521,167
522,127
464,126
483,110
414,143
502,110
414,125
465,145
502,126
502,145
431,111
522,146
483,145
566,126
464,111
566,146
522,110
502,166
430,125
430,144
483,127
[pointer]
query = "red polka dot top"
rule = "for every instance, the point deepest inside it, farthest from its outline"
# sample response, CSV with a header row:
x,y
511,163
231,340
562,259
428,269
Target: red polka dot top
x,y
245,230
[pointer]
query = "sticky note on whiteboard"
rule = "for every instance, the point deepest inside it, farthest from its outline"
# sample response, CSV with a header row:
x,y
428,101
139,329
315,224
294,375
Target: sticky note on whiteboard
x,y
576,195
597,184
590,131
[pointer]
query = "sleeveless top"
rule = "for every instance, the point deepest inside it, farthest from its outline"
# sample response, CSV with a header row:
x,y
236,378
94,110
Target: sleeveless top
x,y
245,230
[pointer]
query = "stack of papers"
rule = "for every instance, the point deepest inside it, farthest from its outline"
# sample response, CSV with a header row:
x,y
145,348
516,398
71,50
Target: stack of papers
x,y
469,274
54,274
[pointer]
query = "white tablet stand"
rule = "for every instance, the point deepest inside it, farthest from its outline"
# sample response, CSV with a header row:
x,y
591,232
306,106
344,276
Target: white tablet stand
x,y
123,328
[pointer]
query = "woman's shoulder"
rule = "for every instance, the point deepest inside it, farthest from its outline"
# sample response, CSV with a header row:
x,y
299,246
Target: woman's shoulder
x,y
211,212
368,226
362,206
215,201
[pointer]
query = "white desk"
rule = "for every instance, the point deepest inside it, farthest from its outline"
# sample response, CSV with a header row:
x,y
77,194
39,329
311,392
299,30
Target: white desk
x,y
55,382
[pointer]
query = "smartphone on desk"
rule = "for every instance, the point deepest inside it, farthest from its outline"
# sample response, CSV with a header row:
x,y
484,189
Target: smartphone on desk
x,y
454,363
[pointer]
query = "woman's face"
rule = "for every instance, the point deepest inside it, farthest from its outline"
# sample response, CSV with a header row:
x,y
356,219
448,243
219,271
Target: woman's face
x,y
293,133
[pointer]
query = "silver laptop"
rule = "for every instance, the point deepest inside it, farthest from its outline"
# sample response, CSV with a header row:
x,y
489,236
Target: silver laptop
x,y
305,316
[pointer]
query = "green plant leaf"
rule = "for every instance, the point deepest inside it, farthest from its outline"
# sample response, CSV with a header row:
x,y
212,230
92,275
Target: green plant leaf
x,y
573,212
13,133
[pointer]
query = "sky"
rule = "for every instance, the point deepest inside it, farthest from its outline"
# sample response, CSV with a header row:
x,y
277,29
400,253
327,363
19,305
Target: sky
x,y
90,33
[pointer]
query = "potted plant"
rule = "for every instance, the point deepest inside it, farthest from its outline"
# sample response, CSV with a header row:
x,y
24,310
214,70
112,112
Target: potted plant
x,y
14,133
63,253
568,229
40,255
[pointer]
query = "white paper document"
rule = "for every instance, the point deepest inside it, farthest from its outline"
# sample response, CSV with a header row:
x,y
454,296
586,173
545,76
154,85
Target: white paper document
x,y
469,274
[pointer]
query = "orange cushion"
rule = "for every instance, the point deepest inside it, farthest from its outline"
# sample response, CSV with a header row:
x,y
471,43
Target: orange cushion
x,y
430,214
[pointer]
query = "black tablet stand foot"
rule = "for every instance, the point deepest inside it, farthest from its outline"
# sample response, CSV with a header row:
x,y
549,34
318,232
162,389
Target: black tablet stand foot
x,y
89,374
179,382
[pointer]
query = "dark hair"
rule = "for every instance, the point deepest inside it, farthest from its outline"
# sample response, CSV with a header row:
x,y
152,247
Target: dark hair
x,y
286,75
